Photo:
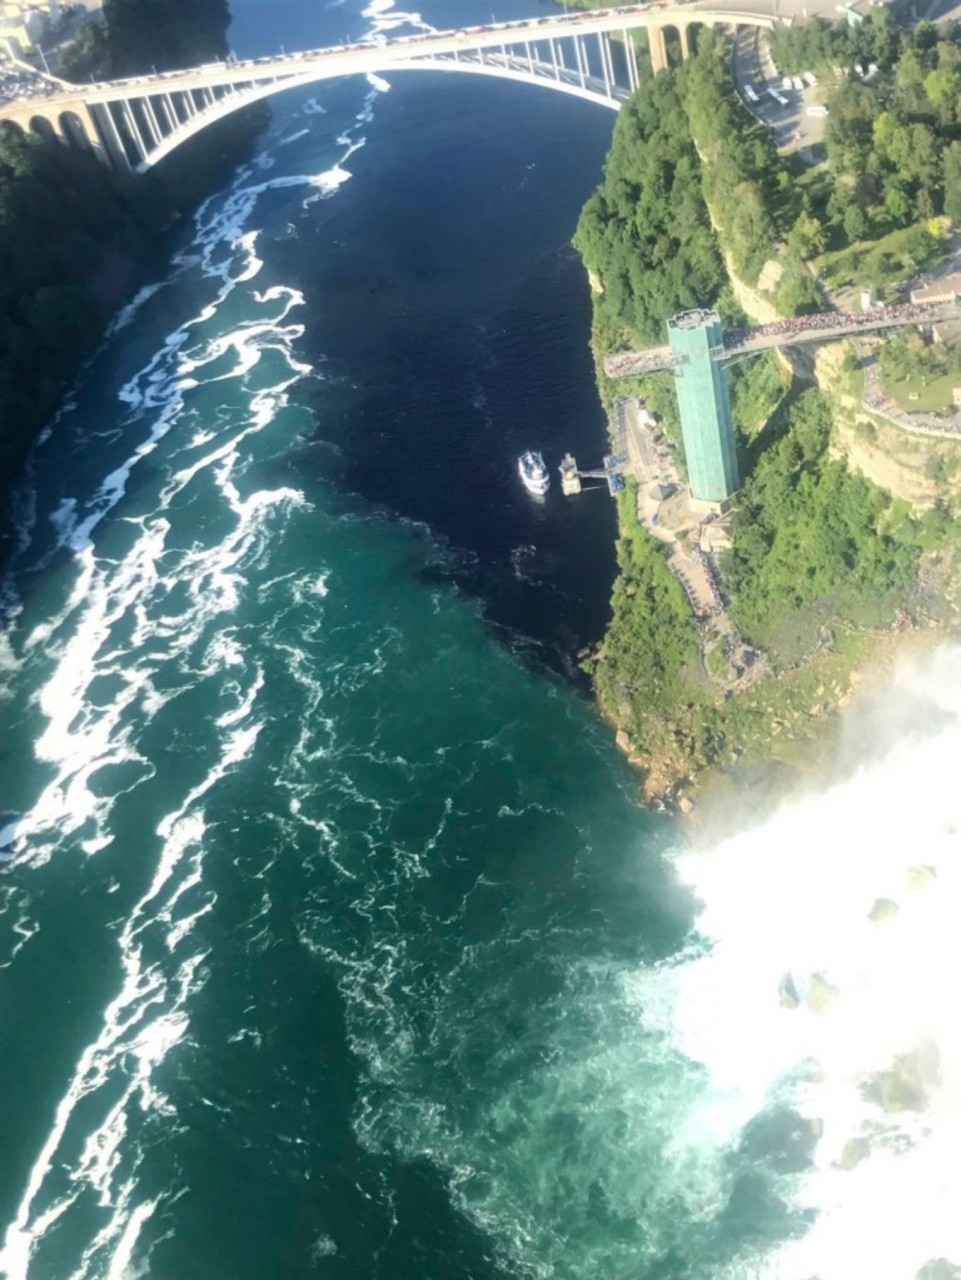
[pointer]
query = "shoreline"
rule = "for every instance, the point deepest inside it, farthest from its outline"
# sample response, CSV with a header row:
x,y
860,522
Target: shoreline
x,y
722,802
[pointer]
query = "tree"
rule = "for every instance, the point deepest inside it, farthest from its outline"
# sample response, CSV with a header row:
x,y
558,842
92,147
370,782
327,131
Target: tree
x,y
855,224
952,182
806,238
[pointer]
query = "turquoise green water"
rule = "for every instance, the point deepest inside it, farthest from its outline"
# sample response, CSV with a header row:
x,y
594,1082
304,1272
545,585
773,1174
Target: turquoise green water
x,y
332,940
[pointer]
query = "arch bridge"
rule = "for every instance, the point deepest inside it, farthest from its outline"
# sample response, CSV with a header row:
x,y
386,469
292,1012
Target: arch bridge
x,y
132,124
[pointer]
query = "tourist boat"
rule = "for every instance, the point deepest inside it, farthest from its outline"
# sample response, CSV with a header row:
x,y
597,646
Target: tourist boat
x,y
533,472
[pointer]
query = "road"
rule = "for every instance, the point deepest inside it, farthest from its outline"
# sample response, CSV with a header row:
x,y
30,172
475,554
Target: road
x,y
793,129
363,57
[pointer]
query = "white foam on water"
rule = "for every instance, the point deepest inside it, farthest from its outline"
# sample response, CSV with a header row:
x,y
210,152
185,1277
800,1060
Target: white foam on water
x,y
128,314
144,1022
883,1031
385,17
112,629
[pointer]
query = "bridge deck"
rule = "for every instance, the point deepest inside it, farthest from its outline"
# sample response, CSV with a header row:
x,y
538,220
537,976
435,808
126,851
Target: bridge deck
x,y
826,326
372,56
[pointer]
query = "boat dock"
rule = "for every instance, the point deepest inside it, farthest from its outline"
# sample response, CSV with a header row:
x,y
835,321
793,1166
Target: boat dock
x,y
612,472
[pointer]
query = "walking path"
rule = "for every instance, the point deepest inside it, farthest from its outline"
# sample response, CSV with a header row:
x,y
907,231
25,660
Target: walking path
x,y
876,400
665,510
663,507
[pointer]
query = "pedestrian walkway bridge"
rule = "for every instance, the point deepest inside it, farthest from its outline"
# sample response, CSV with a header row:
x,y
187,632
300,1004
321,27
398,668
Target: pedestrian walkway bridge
x,y
826,326
134,123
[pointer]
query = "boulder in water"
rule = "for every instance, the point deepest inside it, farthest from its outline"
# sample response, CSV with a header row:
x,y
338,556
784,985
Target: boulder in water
x,y
788,997
939,1269
884,909
920,877
907,1085
855,1150
820,993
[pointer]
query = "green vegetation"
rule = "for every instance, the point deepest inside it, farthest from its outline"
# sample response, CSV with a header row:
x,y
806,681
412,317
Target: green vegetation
x,y
809,532
823,560
168,34
74,238
740,162
652,636
646,233
136,35
878,263
920,376
88,56
757,387
820,45
893,142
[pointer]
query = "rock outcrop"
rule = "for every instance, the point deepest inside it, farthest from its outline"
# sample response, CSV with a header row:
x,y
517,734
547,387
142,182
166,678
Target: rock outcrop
x,y
820,994
883,910
907,1084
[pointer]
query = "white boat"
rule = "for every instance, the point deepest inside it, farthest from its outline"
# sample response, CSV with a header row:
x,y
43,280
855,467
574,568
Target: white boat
x,y
533,472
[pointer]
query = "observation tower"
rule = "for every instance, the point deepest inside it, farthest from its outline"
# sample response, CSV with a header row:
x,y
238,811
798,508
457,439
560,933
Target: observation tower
x,y
697,345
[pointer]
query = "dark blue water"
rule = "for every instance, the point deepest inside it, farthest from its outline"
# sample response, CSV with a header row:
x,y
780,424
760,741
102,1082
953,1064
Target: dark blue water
x,y
334,941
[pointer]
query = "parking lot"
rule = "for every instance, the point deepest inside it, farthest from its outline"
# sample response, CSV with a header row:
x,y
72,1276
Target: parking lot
x,y
793,128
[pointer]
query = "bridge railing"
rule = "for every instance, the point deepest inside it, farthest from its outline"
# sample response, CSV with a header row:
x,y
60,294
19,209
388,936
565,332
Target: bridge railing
x,y
825,326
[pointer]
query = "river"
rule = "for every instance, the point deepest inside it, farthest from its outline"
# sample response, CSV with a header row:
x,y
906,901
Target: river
x,y
334,941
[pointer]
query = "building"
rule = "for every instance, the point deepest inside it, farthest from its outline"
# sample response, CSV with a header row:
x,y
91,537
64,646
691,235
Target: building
x,y
947,289
23,25
702,394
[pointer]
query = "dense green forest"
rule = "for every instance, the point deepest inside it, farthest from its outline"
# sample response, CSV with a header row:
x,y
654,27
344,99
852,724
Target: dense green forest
x,y
810,530
652,636
646,233
893,140
75,238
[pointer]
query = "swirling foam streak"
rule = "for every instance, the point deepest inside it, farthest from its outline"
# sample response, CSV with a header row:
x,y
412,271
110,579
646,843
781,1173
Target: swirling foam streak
x,y
79,739
141,1025
146,1019
129,313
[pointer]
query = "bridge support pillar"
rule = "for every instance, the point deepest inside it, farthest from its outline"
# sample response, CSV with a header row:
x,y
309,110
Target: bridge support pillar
x,y
110,137
630,57
84,113
684,35
658,47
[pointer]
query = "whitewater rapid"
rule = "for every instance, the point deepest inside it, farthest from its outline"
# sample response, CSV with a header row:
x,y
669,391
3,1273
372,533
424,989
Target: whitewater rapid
x,y
829,986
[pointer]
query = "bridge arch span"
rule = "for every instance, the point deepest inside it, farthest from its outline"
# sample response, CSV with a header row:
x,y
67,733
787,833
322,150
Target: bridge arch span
x,y
135,123
236,102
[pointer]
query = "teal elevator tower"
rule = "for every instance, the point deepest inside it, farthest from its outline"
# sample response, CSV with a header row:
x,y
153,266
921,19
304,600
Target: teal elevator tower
x,y
702,396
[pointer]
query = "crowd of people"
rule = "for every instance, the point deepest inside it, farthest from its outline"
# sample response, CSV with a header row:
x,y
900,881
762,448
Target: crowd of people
x,y
17,83
637,363
625,363
694,596
906,313
876,400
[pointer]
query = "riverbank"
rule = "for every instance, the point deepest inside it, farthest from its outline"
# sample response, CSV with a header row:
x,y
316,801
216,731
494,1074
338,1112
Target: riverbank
x,y
830,575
